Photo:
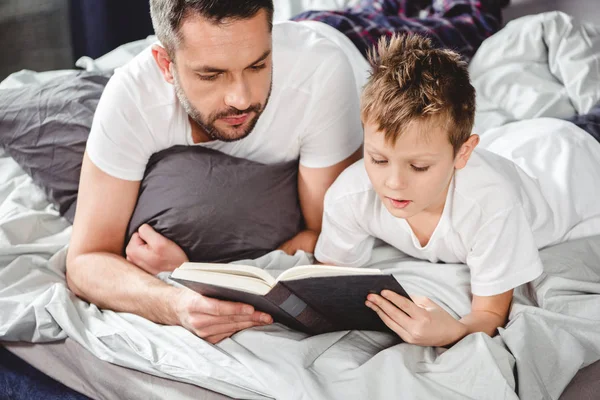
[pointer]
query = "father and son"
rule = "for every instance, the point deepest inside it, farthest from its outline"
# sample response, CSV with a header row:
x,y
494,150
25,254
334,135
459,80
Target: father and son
x,y
399,164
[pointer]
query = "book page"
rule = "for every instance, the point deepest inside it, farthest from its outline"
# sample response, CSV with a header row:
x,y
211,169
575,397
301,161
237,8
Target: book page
x,y
238,282
314,271
226,269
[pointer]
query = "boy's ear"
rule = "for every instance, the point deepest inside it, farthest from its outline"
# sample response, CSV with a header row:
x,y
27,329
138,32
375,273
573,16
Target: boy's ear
x,y
161,56
465,151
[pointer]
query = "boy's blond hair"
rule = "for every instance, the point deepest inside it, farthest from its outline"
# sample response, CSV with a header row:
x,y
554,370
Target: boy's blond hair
x,y
411,80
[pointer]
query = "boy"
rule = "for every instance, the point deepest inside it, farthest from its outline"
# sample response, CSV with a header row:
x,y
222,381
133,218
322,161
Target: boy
x,y
424,189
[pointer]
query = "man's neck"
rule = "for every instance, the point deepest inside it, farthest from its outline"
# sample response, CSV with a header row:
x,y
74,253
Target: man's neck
x,y
199,135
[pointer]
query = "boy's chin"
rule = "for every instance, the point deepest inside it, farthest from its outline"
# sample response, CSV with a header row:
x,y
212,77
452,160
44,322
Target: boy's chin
x,y
400,213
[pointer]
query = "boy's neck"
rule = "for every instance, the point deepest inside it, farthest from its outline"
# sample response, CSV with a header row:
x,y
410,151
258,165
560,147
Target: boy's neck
x,y
425,223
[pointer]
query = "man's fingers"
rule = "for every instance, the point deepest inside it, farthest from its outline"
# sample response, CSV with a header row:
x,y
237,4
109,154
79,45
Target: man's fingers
x,y
136,248
153,238
230,328
217,338
216,307
202,320
136,240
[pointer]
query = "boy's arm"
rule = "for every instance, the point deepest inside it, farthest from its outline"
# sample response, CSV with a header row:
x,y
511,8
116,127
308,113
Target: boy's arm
x,y
425,323
488,313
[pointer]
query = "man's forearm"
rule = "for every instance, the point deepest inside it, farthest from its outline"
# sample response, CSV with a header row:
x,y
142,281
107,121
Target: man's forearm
x,y
111,282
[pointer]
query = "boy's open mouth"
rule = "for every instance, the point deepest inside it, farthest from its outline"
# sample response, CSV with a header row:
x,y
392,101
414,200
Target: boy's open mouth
x,y
399,204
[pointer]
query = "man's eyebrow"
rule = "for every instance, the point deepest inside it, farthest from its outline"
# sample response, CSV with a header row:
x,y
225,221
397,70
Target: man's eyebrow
x,y
214,70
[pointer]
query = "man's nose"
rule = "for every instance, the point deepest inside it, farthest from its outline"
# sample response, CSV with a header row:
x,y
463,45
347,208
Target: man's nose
x,y
238,95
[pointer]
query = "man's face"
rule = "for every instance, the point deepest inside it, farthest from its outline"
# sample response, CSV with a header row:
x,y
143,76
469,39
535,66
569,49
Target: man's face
x,y
412,175
222,74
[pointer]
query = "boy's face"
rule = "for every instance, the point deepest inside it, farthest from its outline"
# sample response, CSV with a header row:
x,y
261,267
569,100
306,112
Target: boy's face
x,y
413,175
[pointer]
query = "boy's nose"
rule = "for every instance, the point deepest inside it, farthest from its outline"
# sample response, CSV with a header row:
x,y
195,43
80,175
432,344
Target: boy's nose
x,y
396,182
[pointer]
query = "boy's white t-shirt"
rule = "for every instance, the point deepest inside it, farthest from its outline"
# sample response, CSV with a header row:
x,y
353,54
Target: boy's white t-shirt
x,y
496,215
312,115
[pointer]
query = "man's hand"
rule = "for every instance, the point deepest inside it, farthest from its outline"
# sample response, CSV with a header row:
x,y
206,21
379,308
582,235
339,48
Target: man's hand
x,y
423,322
305,240
153,252
214,320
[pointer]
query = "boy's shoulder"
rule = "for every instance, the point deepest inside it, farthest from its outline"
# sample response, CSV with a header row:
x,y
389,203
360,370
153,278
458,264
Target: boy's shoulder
x,y
352,183
488,182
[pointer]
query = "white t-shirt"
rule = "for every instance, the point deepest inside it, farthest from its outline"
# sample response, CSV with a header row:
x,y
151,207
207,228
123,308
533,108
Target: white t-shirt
x,y
313,114
496,216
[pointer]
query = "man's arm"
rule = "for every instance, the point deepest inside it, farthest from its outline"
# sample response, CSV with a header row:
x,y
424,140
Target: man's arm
x,y
312,186
98,273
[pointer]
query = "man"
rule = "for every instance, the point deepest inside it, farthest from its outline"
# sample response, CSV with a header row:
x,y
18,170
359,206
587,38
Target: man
x,y
222,77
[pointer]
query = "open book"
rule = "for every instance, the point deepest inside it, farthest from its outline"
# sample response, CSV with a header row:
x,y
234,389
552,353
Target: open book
x,y
310,298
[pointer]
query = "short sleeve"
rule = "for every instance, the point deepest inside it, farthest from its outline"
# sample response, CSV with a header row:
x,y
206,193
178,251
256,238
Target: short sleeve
x,y
342,241
334,131
119,142
504,254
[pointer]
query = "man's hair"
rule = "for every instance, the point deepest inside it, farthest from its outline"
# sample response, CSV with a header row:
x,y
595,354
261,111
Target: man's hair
x,y
411,80
167,15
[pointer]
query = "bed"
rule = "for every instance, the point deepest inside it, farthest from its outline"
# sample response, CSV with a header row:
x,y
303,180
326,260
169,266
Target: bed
x,y
549,349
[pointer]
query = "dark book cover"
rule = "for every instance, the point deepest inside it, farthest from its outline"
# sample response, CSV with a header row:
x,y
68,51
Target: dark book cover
x,y
314,305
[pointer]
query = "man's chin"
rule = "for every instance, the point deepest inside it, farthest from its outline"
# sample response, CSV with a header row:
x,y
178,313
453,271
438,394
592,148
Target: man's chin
x,y
233,133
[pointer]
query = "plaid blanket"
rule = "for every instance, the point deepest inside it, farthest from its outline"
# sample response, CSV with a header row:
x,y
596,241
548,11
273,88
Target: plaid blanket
x,y
460,25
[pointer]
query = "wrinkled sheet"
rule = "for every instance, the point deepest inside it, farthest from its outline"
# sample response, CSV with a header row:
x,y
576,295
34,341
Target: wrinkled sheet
x,y
545,65
548,344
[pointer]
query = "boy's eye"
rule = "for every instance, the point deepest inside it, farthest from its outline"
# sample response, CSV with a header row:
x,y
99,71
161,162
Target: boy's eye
x,y
419,169
378,162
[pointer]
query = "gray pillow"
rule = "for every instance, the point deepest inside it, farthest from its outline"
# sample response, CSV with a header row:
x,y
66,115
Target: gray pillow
x,y
45,128
218,208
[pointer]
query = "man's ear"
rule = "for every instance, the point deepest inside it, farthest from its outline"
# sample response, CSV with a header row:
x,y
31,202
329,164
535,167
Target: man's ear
x,y
161,56
465,151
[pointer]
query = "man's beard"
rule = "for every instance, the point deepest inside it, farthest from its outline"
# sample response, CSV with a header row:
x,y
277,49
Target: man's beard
x,y
208,124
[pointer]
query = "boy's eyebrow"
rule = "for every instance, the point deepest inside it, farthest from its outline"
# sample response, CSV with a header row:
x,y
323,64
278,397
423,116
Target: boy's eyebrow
x,y
214,70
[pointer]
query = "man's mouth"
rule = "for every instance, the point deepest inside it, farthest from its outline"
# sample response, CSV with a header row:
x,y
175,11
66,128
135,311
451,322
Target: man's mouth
x,y
398,203
235,120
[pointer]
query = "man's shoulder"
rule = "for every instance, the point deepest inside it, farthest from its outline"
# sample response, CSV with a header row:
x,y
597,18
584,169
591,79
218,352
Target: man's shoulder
x,y
303,50
141,81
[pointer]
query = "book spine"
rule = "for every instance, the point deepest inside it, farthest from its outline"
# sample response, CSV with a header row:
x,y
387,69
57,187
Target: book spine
x,y
312,321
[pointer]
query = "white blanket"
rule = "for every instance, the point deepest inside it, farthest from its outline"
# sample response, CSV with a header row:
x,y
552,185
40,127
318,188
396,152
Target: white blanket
x,y
545,65
547,344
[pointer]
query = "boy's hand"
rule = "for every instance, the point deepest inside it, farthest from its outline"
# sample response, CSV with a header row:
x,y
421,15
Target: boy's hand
x,y
423,322
305,240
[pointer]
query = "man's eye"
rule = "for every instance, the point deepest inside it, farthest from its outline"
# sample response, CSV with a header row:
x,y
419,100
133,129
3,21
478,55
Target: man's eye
x,y
208,77
378,162
419,169
258,67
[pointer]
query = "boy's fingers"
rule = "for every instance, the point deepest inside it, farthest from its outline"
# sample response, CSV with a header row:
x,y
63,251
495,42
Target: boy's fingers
x,y
424,302
391,310
402,303
393,325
